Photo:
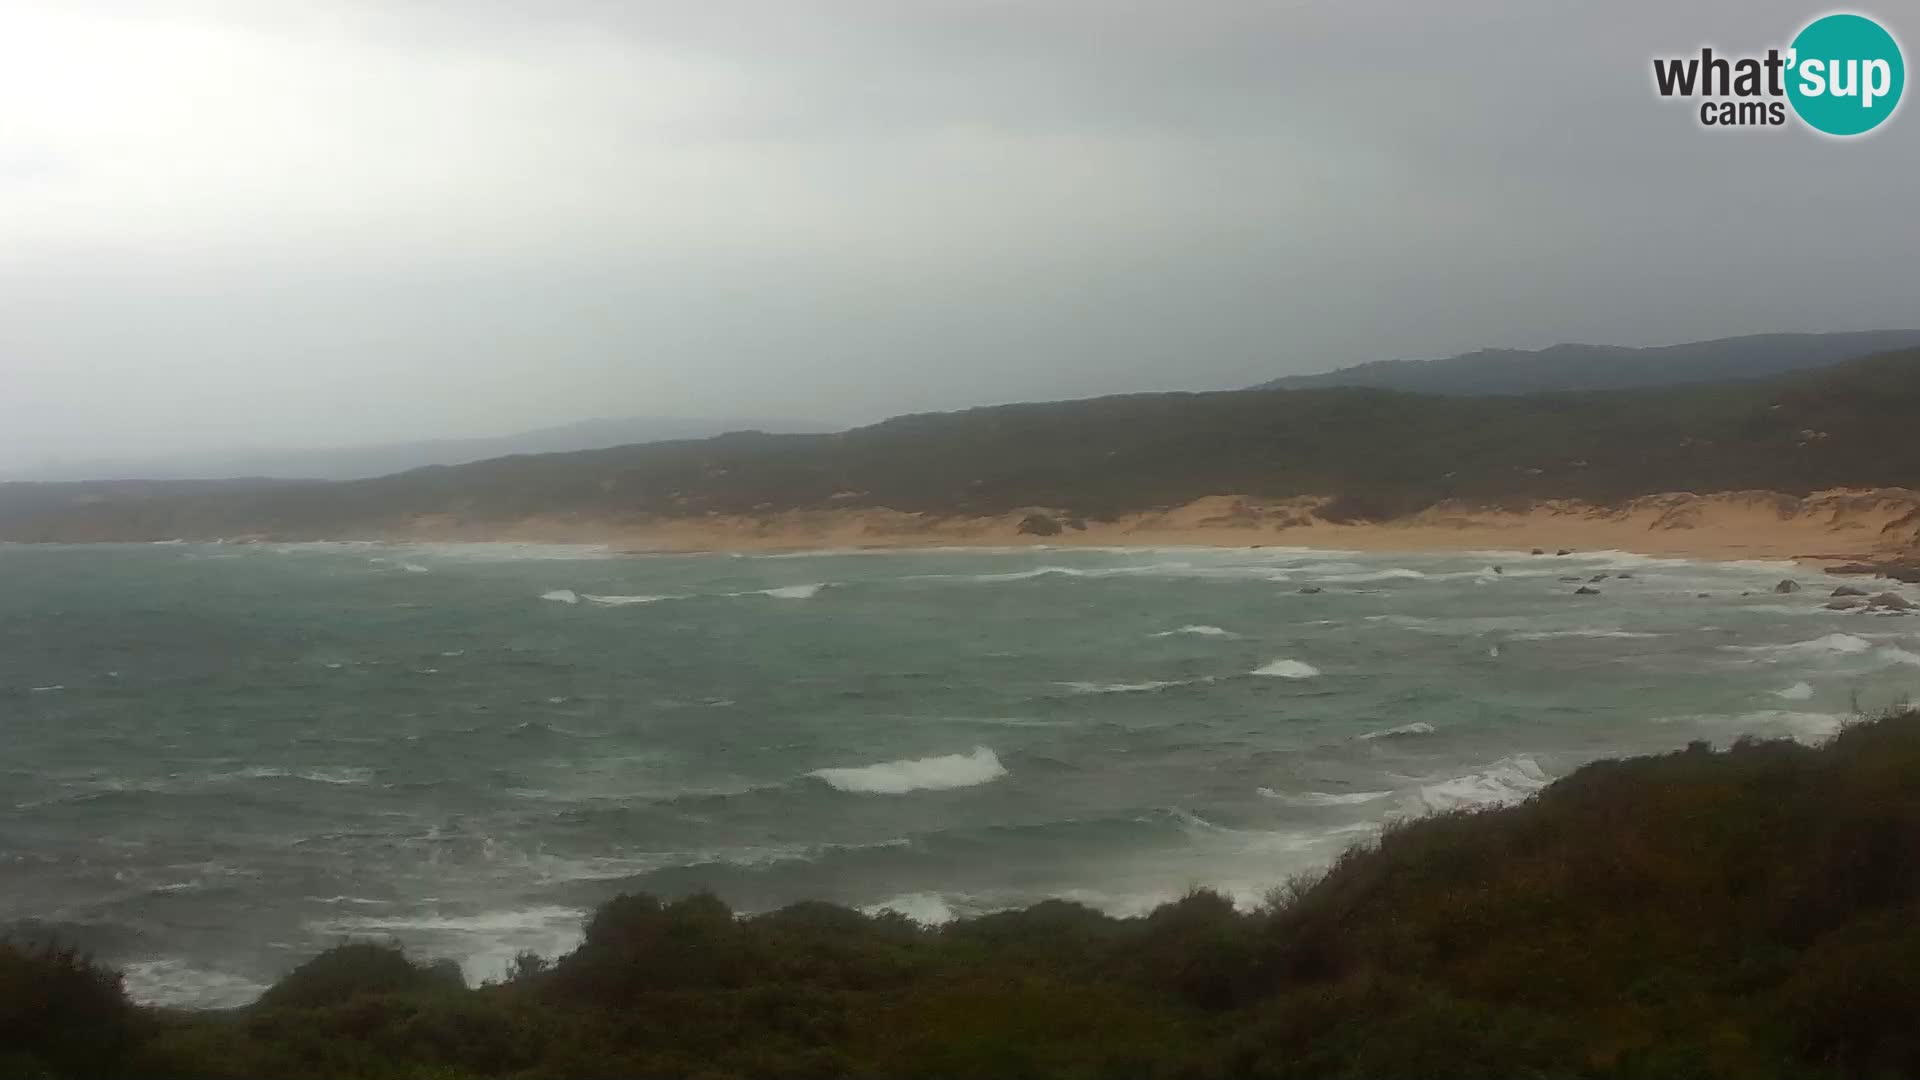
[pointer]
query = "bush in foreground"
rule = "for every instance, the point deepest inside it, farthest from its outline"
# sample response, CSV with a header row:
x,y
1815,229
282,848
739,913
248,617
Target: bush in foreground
x,y
1751,913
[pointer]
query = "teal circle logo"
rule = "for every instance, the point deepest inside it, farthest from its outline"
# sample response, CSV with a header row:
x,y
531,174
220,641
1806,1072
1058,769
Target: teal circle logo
x,y
1845,74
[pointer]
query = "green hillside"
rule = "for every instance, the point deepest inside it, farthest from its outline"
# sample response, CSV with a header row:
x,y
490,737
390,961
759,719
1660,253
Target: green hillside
x,y
1387,452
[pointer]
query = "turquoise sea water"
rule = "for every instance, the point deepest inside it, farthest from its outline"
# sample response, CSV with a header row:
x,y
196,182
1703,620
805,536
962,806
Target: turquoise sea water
x,y
219,759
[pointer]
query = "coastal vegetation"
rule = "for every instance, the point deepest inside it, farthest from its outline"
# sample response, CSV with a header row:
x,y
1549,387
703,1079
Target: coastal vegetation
x,y
1381,453
1748,912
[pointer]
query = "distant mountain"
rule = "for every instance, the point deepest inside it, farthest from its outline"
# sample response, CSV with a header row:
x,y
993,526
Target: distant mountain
x,y
1607,367
360,462
1383,452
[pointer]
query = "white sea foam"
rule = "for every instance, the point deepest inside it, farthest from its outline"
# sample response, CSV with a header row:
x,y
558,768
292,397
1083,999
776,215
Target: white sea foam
x,y
927,909
413,568
1509,780
1894,655
1799,691
621,601
1397,573
794,592
1807,727
1324,798
484,944
917,774
486,922
1583,632
46,689
176,983
1287,669
564,596
1130,688
1197,630
319,776
1418,727
1829,645
1016,575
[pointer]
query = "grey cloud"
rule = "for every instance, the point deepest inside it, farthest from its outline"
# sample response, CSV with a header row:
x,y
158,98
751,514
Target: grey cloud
x,y
349,221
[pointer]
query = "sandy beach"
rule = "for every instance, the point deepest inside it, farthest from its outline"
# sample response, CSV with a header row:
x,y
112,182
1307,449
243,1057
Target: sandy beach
x,y
1824,526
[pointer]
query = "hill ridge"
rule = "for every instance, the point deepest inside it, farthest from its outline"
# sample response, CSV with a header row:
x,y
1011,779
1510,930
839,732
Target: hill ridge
x,y
1386,454
1573,366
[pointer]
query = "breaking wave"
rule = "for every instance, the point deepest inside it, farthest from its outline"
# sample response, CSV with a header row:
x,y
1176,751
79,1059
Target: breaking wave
x,y
1324,798
1397,573
1418,727
1287,669
1509,780
1829,645
917,774
175,983
1807,727
1197,630
1584,632
793,592
563,596
927,909
1130,688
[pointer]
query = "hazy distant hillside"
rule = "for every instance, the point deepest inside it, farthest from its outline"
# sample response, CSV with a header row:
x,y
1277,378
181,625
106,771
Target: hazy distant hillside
x,y
1848,426
1606,367
357,462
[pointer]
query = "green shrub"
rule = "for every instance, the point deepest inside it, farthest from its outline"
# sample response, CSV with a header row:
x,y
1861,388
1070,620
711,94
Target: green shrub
x,y
1753,913
352,970
60,1013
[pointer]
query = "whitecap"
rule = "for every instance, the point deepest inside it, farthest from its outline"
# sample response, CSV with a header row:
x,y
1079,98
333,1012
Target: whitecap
x,y
564,596
1020,575
1829,645
1197,630
413,568
1288,669
1806,727
1509,780
484,944
175,983
486,922
927,909
1799,691
794,592
46,689
1324,798
319,776
1418,727
621,601
917,774
1129,688
1584,632
1397,573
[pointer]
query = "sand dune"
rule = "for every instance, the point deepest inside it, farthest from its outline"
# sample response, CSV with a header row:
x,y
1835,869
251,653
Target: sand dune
x,y
1838,524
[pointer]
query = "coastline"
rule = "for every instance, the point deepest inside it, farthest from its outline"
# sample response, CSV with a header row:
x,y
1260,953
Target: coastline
x,y
1825,527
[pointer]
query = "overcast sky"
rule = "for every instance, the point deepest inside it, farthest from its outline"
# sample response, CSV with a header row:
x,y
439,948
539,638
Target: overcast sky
x,y
330,222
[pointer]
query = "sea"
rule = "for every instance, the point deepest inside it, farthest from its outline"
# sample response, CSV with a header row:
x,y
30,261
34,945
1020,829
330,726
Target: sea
x,y
219,759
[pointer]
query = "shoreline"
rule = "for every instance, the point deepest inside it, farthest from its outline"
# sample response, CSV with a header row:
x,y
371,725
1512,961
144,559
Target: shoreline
x,y
1825,527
